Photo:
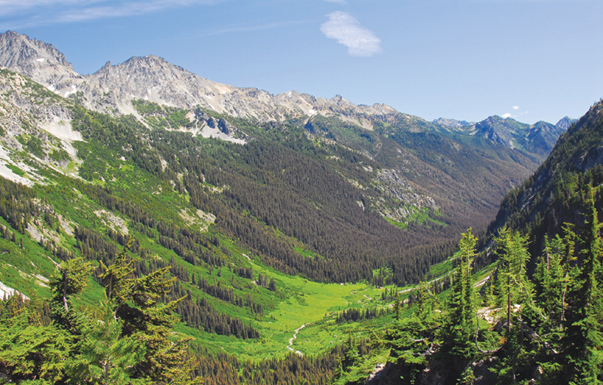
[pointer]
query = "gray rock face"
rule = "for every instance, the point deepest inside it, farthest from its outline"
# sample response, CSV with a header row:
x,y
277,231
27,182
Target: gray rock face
x,y
37,60
113,87
565,123
406,197
35,128
500,130
451,123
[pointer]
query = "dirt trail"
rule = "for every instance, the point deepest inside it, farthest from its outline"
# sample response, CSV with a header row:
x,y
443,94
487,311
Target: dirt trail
x,y
481,283
294,338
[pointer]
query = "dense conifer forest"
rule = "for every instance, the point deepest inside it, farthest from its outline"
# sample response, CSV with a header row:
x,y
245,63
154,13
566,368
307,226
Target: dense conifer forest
x,y
173,258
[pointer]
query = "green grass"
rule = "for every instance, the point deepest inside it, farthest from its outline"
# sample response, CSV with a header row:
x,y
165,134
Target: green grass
x,y
303,302
420,216
15,169
442,268
297,301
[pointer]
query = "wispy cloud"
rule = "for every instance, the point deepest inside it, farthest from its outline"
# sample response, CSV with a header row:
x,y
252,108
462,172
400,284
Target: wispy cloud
x,y
261,27
35,12
13,8
344,28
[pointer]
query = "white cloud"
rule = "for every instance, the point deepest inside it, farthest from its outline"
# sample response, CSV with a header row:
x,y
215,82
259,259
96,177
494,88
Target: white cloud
x,y
344,28
517,113
336,1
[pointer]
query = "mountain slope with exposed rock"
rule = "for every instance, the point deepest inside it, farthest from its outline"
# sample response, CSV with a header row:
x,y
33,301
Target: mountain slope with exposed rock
x,y
419,171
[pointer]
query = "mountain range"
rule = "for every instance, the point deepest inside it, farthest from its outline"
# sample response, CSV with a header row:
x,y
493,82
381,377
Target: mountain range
x,y
281,218
461,167
113,88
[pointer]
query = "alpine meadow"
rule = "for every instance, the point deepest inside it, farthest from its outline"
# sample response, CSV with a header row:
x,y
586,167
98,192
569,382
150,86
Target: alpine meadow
x,y
157,227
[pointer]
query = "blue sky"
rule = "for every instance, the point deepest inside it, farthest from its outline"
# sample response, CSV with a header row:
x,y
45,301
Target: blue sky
x,y
464,59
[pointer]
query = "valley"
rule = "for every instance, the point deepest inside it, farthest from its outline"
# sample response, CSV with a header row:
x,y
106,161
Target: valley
x,y
281,238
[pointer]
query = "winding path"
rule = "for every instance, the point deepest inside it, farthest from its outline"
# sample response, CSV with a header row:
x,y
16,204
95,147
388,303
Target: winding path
x,y
293,339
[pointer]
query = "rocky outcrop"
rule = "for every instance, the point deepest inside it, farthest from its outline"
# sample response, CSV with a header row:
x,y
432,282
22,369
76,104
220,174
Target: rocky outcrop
x,y
37,60
452,123
36,121
405,199
565,123
113,87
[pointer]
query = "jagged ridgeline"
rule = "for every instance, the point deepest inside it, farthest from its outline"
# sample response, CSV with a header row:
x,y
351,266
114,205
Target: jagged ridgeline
x,y
305,204
255,207
534,315
556,193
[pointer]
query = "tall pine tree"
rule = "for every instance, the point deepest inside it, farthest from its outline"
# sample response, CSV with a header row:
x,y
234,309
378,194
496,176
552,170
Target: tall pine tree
x,y
459,328
584,339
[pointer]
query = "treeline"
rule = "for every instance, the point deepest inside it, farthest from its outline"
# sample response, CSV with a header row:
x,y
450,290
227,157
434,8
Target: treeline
x,y
16,204
199,314
546,328
227,294
362,314
223,369
127,338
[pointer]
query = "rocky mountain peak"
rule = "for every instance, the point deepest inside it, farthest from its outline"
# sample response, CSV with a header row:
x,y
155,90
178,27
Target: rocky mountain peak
x,y
106,66
338,100
451,123
113,87
565,123
17,49
33,58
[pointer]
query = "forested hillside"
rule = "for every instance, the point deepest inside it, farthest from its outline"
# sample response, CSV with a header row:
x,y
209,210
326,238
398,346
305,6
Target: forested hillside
x,y
285,194
551,197
238,248
531,316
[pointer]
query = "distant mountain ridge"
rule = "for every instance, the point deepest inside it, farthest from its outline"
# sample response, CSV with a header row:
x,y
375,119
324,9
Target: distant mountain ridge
x,y
555,193
448,172
154,79
113,88
451,123
538,138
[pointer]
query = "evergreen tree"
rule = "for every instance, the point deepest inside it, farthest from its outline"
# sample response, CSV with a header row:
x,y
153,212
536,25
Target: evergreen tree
x,y
584,339
104,356
70,279
551,281
412,339
137,302
515,294
459,327
460,324
514,290
29,351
